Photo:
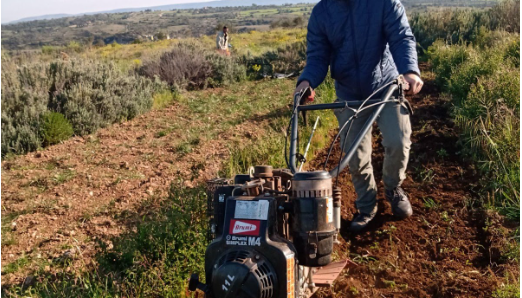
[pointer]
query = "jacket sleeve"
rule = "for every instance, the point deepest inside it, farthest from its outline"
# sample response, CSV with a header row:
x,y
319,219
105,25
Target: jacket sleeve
x,y
400,37
318,52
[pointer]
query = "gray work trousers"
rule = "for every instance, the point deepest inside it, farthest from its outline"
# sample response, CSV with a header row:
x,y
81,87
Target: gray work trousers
x,y
394,124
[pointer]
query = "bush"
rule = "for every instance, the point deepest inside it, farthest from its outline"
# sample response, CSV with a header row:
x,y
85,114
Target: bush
x,y
287,59
290,58
55,128
484,84
90,94
288,23
445,59
225,70
482,64
190,67
490,125
185,66
456,26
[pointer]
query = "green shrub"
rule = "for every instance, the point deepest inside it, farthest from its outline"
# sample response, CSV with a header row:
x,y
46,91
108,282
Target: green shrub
x,y
48,50
482,27
290,58
513,52
483,64
225,70
90,94
55,128
484,84
24,102
75,46
445,59
287,59
490,126
163,99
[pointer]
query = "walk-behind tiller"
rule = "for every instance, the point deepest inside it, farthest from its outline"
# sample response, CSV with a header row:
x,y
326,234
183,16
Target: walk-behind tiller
x,y
272,231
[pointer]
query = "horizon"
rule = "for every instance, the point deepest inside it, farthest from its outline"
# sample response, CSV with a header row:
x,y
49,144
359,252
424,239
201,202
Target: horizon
x,y
36,8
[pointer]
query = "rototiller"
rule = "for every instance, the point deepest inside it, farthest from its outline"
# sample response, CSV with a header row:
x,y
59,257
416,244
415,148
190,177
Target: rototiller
x,y
272,231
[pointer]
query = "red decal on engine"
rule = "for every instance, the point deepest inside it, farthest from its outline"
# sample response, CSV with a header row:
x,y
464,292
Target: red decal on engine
x,y
244,227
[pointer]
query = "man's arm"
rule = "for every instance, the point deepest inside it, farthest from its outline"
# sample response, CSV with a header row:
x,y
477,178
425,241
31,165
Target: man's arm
x,y
317,52
400,37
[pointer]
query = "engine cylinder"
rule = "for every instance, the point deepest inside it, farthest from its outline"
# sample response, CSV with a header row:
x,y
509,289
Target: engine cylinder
x,y
313,217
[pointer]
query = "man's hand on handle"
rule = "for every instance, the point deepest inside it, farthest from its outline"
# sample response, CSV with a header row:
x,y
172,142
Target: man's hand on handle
x,y
302,86
415,83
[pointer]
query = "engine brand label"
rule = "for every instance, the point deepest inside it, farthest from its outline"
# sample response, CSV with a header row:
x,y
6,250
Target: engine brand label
x,y
243,240
244,227
252,209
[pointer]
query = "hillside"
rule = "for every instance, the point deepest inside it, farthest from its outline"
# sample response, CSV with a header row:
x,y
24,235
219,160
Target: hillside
x,y
191,5
177,21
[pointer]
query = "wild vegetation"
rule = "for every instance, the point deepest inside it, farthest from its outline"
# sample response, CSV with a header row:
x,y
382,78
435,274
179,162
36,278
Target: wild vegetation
x,y
148,25
88,95
146,231
456,26
478,64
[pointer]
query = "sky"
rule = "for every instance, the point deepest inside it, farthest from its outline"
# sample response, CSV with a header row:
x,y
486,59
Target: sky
x,y
17,9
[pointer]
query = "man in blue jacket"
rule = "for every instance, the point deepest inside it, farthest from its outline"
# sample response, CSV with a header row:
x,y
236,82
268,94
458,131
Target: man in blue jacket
x,y
366,44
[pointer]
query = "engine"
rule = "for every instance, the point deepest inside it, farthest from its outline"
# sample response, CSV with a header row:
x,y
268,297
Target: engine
x,y
266,228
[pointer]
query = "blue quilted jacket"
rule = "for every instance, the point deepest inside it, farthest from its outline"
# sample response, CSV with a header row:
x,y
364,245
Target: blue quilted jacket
x,y
366,43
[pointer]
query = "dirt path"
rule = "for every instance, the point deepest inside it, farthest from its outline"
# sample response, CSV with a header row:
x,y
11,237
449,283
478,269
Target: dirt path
x,y
445,249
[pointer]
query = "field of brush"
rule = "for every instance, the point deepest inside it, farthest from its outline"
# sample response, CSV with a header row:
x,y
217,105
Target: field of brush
x,y
106,150
140,26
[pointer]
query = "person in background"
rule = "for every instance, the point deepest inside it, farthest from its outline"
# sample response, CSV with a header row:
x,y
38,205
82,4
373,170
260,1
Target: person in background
x,y
366,44
222,41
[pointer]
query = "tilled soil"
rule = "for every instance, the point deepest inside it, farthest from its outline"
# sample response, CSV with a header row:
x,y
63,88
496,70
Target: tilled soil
x,y
59,202
443,250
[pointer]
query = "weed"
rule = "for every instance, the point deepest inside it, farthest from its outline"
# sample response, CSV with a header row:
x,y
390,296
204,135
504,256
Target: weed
x,y
163,99
362,259
444,216
426,175
511,249
429,203
161,134
389,283
40,182
16,265
55,128
509,289
183,148
442,153
354,291
64,176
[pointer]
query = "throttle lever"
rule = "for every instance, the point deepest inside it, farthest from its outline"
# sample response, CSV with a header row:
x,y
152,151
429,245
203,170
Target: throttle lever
x,y
404,86
304,96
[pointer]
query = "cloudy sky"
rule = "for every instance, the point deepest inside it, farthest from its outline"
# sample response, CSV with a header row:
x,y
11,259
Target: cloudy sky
x,y
17,9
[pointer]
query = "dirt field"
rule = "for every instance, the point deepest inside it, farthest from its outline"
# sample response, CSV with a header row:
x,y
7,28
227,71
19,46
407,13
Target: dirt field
x,y
447,248
58,202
